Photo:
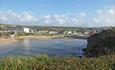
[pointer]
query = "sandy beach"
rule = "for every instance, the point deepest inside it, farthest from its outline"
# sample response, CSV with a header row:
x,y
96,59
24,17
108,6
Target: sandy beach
x,y
37,37
6,41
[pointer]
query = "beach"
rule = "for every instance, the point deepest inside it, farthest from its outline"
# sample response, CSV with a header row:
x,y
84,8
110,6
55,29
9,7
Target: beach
x,y
38,37
9,40
6,41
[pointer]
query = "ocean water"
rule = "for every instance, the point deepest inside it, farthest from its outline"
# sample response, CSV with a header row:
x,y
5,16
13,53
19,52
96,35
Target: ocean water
x,y
51,47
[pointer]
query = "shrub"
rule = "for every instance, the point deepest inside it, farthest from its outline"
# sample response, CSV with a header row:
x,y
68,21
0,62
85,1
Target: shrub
x,y
57,63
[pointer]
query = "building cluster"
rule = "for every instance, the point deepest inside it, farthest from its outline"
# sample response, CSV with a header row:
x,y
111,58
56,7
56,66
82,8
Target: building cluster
x,y
17,29
51,31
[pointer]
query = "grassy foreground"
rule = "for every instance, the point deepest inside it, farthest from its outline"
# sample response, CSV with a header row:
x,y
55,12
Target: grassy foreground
x,y
57,63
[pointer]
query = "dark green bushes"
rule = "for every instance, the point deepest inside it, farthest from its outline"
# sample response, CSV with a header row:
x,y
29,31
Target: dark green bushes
x,y
102,43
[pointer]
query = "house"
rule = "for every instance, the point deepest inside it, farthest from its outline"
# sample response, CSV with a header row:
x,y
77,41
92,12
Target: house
x,y
26,30
13,29
2,30
42,31
56,31
77,33
52,32
86,33
16,29
68,32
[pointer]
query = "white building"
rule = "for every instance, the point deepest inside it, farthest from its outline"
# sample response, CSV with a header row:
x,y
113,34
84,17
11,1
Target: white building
x,y
69,32
53,32
86,33
26,30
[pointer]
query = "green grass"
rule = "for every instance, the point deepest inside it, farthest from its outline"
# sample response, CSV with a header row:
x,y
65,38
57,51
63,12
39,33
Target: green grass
x,y
57,63
23,34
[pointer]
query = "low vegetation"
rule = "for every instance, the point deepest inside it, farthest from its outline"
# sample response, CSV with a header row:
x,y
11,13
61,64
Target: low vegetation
x,y
102,43
5,34
57,63
5,25
24,34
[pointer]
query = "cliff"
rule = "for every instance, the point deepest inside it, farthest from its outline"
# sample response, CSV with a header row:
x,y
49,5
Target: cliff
x,y
101,43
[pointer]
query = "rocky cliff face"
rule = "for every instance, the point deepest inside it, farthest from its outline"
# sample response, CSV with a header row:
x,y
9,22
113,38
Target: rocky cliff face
x,y
101,43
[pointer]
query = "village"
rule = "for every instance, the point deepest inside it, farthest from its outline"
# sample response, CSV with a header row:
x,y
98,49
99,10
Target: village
x,y
65,31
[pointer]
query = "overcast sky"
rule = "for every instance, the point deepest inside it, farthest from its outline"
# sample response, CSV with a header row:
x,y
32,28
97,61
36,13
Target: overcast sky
x,y
86,13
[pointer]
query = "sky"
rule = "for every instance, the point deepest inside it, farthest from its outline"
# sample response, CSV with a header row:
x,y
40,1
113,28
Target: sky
x,y
79,13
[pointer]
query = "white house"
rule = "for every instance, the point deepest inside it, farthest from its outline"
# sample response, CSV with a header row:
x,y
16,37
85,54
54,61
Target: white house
x,y
53,32
26,30
69,32
86,33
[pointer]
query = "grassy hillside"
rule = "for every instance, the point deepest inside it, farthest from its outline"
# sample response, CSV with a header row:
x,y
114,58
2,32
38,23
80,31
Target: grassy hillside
x,y
57,63
5,25
101,43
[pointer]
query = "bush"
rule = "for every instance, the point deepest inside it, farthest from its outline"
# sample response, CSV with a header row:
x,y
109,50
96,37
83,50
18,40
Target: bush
x,y
57,63
7,34
102,43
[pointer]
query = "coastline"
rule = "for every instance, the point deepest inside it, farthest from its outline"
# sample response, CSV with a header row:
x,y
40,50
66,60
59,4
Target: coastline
x,y
38,37
10,40
7,41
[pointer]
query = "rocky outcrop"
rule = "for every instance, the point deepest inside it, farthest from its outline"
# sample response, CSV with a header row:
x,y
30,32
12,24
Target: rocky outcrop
x,y
101,43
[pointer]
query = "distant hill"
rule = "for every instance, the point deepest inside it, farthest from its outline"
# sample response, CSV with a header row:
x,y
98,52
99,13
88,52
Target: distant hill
x,y
101,43
6,25
47,27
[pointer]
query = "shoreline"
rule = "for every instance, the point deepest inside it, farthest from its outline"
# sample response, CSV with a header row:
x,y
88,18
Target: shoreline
x,y
10,40
38,37
7,41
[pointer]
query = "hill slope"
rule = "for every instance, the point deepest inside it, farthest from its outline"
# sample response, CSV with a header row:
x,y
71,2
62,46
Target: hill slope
x,y
101,43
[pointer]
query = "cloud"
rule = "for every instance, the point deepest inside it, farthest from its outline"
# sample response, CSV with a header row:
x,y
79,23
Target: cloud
x,y
47,16
26,17
13,17
29,18
102,17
